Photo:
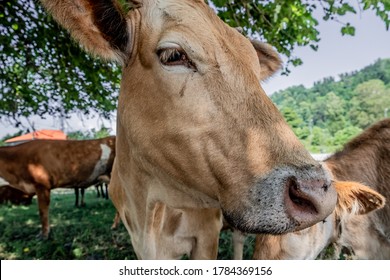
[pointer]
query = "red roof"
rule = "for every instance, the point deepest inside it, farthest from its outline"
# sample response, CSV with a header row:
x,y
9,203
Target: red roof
x,y
39,134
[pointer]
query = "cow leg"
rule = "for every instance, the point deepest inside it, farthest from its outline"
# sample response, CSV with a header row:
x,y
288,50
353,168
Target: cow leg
x,y
238,244
206,247
101,190
205,225
117,220
106,189
76,192
43,195
97,187
82,190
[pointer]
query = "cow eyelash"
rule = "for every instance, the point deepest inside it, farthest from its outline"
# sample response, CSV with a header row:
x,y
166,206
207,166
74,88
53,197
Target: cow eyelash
x,y
174,57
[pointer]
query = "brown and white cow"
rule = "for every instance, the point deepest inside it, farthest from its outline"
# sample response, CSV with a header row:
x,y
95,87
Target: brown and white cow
x,y
195,129
366,159
38,166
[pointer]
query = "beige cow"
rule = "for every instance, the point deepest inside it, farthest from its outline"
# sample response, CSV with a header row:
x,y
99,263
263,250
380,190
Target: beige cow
x,y
366,159
195,130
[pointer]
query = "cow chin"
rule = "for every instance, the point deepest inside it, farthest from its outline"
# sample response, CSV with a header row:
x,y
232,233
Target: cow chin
x,y
286,199
258,214
260,222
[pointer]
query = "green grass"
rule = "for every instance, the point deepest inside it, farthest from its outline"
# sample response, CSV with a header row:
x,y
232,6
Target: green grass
x,y
76,233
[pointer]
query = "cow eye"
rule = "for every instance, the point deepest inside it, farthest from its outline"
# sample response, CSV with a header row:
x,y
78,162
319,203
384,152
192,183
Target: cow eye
x,y
174,57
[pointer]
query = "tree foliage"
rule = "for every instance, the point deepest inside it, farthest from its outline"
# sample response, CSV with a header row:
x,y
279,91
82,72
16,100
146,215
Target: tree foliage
x,y
92,134
286,24
334,111
42,72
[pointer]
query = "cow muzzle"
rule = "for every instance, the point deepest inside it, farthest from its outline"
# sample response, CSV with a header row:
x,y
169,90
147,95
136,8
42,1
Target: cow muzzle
x,y
286,199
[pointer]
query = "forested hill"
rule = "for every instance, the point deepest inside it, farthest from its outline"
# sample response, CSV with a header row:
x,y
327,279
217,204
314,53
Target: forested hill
x,y
331,112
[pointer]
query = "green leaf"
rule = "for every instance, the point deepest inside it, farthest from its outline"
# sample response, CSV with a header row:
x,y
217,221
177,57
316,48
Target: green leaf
x,y
314,47
297,61
344,9
77,252
348,30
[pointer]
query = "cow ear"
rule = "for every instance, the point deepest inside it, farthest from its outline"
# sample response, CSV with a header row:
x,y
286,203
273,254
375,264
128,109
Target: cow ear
x,y
269,59
356,198
100,26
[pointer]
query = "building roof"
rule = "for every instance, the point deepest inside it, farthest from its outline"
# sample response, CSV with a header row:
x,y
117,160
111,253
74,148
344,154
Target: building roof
x,y
39,134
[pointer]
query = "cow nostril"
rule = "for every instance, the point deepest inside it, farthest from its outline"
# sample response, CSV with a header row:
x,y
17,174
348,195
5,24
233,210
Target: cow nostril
x,y
293,190
293,183
300,200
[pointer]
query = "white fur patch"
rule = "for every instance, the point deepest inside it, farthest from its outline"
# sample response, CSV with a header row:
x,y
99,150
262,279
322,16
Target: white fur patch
x,y
26,187
3,182
101,165
355,208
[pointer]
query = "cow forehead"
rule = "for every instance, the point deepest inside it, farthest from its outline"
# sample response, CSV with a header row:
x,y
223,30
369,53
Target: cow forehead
x,y
180,10
195,24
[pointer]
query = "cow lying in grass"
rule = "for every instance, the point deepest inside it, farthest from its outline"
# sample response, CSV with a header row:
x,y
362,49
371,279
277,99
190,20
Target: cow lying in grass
x,y
14,196
365,159
38,166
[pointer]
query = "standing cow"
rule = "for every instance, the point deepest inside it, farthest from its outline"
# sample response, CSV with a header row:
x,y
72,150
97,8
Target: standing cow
x,y
38,166
365,159
195,129
101,187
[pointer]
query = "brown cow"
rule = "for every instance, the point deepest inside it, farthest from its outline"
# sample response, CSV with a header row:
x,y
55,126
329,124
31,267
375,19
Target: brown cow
x,y
10,194
366,159
38,166
195,129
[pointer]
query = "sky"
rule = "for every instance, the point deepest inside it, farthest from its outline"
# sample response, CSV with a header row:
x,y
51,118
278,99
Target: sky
x,y
336,55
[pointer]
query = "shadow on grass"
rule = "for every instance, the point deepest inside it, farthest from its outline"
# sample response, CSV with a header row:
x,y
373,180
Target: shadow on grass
x,y
76,233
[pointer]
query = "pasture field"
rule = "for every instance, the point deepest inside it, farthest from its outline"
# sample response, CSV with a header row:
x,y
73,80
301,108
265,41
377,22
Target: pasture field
x,y
82,233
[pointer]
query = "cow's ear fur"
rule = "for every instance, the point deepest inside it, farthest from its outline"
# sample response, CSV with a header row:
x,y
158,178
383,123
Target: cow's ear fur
x,y
356,198
100,26
269,59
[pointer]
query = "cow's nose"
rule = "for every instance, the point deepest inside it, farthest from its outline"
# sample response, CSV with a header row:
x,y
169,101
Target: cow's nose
x,y
307,199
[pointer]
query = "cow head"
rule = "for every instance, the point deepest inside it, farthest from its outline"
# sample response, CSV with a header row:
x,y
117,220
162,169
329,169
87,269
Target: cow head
x,y
192,115
353,199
